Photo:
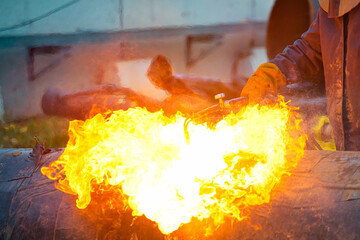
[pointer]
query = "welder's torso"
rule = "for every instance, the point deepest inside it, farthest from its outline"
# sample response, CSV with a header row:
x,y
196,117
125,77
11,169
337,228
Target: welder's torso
x,y
340,45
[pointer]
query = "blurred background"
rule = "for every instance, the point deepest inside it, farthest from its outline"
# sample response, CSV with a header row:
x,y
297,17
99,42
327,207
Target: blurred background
x,y
85,44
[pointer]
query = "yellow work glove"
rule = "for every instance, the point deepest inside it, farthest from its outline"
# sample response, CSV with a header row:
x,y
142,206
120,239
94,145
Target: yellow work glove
x,y
267,79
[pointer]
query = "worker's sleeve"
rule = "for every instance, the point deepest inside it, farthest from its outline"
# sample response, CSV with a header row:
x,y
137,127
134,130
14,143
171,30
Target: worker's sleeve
x,y
302,61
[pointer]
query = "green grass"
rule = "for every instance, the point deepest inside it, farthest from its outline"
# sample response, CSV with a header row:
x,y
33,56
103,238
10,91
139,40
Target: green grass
x,y
21,134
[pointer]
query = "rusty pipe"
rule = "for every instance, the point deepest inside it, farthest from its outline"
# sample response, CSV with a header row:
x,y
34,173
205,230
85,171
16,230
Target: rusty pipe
x,y
320,200
84,103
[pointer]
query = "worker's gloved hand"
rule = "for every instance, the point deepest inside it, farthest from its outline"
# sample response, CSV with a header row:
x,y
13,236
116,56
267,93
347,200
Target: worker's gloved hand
x,y
267,79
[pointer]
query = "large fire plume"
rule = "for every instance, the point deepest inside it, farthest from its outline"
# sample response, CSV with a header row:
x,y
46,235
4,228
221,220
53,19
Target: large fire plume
x,y
143,158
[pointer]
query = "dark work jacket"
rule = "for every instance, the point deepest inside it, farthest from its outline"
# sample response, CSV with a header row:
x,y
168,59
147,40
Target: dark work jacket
x,y
330,50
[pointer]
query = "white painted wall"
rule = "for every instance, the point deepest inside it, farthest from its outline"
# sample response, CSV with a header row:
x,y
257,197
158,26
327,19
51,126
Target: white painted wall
x,y
116,15
82,16
193,12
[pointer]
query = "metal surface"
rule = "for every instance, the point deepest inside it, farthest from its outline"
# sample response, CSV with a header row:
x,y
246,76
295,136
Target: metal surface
x,y
82,104
320,200
287,21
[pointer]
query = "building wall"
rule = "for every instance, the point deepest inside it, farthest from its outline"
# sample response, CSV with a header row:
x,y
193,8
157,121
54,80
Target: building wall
x,y
75,16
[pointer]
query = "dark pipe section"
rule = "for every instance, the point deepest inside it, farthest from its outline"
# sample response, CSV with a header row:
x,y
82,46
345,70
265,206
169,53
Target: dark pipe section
x,y
288,20
86,103
320,200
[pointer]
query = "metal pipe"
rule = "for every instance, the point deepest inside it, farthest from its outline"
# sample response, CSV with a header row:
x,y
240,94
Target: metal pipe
x,y
81,104
320,200
287,21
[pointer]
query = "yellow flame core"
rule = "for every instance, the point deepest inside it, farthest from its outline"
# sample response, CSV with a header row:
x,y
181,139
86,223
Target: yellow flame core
x,y
145,156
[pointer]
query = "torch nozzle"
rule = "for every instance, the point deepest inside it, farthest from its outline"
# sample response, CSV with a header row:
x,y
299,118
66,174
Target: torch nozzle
x,y
223,107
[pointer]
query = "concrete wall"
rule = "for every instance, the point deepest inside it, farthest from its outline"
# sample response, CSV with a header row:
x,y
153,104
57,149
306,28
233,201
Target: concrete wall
x,y
160,13
74,16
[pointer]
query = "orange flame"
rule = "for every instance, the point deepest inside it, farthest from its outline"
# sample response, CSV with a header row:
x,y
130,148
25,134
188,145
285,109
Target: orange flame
x,y
145,157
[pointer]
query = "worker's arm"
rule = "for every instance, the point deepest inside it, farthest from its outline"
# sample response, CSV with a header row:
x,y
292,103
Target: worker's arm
x,y
301,61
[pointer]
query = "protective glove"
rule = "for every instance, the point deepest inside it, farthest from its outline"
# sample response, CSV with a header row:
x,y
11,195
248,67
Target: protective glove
x,y
267,79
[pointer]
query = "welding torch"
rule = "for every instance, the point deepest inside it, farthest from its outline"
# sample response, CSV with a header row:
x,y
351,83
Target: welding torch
x,y
223,107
